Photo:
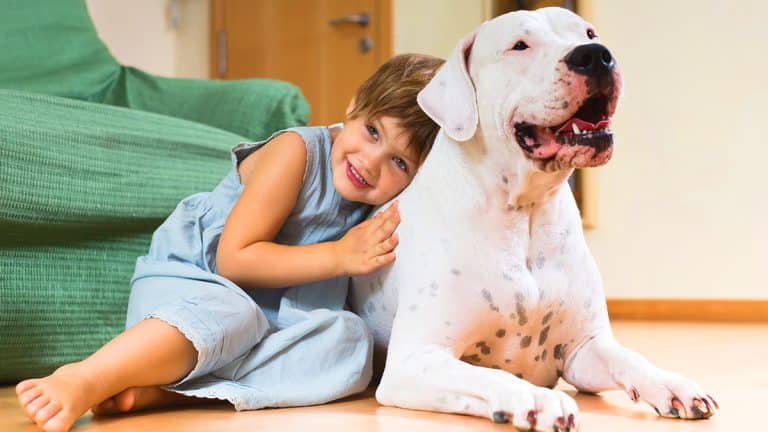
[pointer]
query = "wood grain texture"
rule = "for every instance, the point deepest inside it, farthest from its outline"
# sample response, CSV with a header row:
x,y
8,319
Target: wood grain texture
x,y
689,310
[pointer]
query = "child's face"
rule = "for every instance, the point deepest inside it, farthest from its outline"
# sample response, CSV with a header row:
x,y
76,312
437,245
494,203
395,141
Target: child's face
x,y
370,162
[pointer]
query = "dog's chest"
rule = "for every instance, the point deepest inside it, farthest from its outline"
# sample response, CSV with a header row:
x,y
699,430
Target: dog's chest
x,y
530,342
531,321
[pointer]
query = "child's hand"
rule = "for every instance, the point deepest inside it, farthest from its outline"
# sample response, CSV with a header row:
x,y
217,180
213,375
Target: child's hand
x,y
370,244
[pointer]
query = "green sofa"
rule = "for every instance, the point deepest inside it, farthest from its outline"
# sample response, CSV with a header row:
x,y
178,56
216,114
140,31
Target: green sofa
x,y
93,157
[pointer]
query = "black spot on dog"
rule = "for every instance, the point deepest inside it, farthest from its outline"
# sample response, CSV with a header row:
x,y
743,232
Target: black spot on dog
x,y
455,271
546,318
484,348
525,342
558,351
522,316
504,179
543,335
500,333
474,358
487,295
543,355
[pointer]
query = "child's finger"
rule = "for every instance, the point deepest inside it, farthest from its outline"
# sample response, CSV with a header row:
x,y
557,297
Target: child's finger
x,y
384,231
389,244
382,260
384,227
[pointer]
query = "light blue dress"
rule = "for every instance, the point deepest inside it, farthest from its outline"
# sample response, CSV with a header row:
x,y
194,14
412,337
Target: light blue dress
x,y
260,347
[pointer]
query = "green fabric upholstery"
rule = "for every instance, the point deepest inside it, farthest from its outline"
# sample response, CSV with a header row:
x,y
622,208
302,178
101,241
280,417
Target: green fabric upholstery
x,y
51,46
93,157
246,107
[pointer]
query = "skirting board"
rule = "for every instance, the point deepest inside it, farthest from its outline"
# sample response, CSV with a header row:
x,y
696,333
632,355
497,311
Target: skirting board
x,y
689,310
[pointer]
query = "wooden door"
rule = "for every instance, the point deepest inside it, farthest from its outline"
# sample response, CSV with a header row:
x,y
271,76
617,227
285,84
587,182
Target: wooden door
x,y
325,47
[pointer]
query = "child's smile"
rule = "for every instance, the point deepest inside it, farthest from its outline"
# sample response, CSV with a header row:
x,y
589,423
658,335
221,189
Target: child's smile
x,y
354,176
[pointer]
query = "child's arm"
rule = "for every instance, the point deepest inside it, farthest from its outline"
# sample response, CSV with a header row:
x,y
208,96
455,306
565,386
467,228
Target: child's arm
x,y
246,254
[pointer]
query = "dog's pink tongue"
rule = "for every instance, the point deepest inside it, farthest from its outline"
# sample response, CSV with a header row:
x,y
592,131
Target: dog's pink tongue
x,y
547,150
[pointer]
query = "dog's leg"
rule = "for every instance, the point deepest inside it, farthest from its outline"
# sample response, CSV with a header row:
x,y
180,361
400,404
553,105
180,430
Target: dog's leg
x,y
602,364
432,378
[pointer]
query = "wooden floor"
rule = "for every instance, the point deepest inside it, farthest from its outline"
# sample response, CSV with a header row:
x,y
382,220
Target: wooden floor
x,y
729,360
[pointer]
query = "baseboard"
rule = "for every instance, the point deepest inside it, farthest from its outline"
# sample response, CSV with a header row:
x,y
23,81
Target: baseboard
x,y
689,310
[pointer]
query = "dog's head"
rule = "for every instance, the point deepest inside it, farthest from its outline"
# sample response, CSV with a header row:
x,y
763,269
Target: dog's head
x,y
542,80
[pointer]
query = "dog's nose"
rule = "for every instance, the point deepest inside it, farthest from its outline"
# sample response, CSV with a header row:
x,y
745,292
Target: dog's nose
x,y
591,59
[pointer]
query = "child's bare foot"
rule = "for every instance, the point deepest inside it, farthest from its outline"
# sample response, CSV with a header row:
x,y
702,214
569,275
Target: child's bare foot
x,y
58,400
141,398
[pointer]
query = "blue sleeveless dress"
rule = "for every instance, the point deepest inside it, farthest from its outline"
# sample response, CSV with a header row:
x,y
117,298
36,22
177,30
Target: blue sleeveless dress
x,y
260,347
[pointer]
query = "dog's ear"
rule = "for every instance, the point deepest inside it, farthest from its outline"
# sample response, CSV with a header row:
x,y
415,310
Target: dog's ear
x,y
449,98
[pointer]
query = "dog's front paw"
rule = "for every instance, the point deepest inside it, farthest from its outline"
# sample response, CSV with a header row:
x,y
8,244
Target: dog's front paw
x,y
538,409
674,396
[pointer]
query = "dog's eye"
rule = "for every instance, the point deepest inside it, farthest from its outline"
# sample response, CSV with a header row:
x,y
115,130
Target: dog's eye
x,y
520,46
591,34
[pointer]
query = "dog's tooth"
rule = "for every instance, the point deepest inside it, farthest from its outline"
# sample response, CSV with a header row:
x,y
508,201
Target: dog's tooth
x,y
575,128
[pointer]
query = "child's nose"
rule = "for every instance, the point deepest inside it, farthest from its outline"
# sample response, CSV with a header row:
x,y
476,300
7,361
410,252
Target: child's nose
x,y
373,161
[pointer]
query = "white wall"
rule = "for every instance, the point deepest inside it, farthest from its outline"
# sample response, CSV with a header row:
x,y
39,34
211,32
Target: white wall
x,y
682,207
141,33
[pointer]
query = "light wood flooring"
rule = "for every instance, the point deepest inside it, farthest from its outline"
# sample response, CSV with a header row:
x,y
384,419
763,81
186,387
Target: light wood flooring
x,y
730,361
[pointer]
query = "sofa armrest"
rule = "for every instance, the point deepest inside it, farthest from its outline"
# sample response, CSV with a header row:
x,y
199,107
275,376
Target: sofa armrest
x,y
253,108
65,161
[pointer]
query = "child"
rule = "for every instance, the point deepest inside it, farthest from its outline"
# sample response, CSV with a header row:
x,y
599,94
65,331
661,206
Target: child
x,y
241,296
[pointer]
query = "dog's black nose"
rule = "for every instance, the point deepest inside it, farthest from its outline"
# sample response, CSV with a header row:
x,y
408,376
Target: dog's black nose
x,y
591,59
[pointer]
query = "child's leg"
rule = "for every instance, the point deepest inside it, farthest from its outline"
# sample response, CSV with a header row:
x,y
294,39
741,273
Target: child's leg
x,y
148,354
141,398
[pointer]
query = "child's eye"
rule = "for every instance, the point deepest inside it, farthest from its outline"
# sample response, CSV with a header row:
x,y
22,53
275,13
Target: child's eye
x,y
372,132
400,163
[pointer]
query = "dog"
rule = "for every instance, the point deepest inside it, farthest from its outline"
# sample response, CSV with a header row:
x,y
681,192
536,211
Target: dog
x,y
494,295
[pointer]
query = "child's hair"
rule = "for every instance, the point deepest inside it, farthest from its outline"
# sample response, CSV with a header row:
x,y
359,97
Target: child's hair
x,y
391,91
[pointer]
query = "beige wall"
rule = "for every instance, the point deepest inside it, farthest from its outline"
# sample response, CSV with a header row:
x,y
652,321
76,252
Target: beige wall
x,y
682,207
141,33
434,26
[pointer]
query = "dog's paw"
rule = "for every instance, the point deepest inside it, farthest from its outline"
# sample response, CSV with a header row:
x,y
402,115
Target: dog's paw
x,y
674,396
539,409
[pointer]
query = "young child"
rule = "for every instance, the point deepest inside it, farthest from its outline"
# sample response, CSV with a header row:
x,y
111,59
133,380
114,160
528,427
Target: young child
x,y
241,296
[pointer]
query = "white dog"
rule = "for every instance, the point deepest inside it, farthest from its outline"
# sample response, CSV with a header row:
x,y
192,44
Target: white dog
x,y
494,295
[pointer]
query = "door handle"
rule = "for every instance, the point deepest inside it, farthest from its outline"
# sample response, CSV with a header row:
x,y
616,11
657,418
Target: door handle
x,y
362,19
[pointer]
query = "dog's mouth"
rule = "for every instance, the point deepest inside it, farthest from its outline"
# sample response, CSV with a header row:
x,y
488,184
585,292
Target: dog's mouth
x,y
583,140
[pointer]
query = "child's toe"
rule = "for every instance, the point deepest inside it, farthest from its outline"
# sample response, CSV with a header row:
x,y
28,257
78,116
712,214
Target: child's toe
x,y
33,407
29,395
47,412
25,385
61,422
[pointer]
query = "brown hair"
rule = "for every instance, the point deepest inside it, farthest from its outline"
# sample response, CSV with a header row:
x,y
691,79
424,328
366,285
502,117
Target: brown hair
x,y
391,91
